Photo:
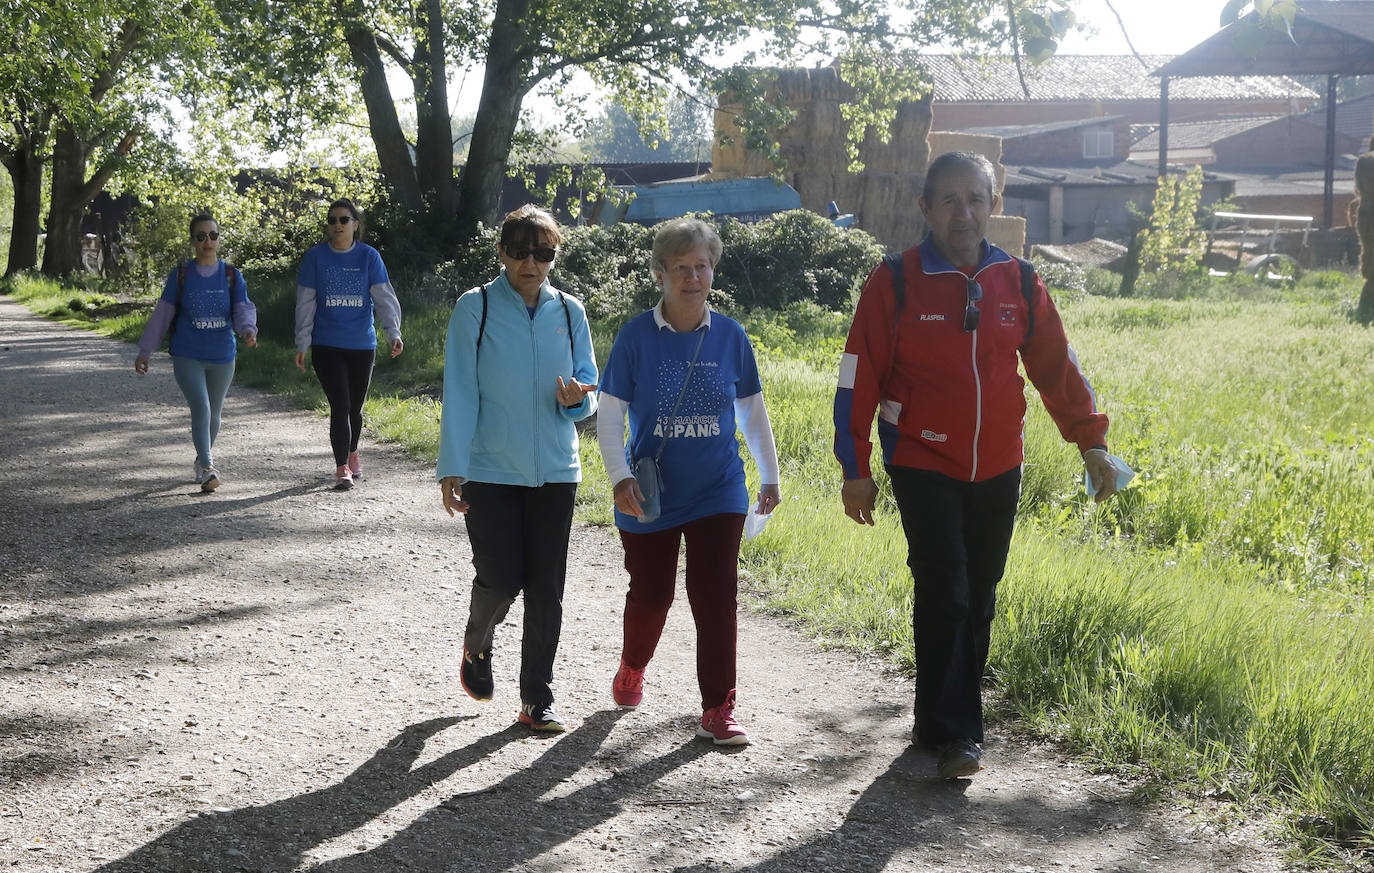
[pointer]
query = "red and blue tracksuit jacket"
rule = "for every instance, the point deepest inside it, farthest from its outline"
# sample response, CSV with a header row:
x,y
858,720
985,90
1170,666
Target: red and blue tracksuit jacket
x,y
950,401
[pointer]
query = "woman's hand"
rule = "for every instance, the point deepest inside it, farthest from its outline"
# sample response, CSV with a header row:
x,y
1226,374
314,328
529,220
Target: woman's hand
x,y
572,392
300,361
628,497
397,347
769,498
250,339
452,489
140,366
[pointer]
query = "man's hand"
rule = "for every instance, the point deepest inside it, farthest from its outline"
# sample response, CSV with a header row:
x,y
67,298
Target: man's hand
x,y
860,496
1101,473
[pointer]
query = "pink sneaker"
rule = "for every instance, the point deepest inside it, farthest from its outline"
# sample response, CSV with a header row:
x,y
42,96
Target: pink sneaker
x,y
343,479
628,687
355,466
718,724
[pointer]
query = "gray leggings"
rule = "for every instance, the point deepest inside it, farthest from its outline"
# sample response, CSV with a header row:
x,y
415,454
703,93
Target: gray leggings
x,y
205,386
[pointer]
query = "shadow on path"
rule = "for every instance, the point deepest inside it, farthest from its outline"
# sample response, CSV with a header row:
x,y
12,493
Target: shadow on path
x,y
277,836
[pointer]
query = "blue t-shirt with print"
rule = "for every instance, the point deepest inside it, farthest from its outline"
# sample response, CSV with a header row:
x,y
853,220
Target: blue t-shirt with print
x,y
701,466
204,326
343,294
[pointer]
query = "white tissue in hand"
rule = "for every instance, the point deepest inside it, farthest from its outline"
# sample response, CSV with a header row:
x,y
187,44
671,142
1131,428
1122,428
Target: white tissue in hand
x,y
754,522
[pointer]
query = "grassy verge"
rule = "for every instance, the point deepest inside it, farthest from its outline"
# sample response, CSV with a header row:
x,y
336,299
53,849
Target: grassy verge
x,y
1210,628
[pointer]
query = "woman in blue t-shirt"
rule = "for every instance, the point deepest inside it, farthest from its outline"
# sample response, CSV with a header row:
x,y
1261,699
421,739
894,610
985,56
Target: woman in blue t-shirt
x,y
204,303
341,290
686,376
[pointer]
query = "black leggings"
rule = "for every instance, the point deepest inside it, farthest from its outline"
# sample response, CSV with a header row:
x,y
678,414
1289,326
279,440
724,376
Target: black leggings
x,y
344,375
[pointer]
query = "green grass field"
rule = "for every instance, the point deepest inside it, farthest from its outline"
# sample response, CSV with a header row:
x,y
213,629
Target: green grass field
x,y
1209,629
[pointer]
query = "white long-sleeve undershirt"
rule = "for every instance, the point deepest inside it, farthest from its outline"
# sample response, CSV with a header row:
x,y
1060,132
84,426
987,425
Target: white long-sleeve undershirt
x,y
751,415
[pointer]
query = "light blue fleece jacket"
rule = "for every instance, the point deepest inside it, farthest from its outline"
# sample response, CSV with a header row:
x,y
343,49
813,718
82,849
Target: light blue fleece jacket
x,y
502,422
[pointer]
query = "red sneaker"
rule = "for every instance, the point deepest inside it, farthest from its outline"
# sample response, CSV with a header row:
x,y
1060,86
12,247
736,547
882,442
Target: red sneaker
x,y
343,479
718,724
355,466
628,687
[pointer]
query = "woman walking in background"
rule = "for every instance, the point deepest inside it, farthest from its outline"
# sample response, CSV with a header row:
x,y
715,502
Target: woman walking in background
x,y
518,369
342,289
687,377
204,303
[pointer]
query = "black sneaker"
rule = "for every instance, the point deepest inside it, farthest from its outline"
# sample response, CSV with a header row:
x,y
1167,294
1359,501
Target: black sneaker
x,y
476,674
540,718
959,758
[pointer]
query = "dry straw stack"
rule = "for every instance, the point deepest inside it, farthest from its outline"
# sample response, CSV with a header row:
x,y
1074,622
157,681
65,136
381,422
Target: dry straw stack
x,y
883,197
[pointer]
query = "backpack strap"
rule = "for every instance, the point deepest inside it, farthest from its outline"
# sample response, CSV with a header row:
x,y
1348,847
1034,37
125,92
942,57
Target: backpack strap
x,y
894,263
481,327
567,316
1028,292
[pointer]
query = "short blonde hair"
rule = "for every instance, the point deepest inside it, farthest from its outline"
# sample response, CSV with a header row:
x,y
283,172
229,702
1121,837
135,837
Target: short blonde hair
x,y
682,235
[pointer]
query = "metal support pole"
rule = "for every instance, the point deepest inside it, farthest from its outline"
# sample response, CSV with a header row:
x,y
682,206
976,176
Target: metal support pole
x,y
1329,188
1163,126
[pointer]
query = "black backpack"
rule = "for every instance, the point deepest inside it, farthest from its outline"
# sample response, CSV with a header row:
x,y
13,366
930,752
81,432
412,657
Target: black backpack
x,y
231,276
894,263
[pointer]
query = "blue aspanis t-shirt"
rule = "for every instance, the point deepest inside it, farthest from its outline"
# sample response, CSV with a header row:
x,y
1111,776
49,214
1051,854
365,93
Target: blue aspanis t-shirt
x,y
204,326
702,471
343,294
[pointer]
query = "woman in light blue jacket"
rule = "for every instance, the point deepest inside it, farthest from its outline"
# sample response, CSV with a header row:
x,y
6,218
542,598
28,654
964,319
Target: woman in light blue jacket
x,y
519,372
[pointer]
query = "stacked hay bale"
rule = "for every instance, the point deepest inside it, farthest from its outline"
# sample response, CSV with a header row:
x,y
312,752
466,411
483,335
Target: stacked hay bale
x,y
883,197
1364,225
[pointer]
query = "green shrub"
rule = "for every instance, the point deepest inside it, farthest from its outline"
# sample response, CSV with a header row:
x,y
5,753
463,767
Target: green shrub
x,y
792,256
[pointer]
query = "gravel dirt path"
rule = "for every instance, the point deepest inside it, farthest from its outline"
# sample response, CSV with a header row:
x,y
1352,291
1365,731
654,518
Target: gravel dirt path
x,y
265,679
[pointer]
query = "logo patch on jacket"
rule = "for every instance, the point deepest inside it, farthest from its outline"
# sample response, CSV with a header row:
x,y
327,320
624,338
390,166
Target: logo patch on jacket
x,y
1007,314
933,436
932,316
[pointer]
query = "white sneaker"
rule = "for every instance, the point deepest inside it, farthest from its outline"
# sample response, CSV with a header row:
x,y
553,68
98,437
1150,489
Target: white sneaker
x,y
209,479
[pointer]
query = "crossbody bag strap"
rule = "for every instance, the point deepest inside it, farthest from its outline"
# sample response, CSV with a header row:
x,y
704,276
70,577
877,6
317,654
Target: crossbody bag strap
x,y
663,443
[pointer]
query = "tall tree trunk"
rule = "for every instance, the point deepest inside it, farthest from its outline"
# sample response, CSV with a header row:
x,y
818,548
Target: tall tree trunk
x,y
434,133
72,192
62,251
393,152
26,173
503,91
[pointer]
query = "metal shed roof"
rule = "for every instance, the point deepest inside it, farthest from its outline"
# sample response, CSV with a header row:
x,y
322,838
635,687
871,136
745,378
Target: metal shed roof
x,y
1330,37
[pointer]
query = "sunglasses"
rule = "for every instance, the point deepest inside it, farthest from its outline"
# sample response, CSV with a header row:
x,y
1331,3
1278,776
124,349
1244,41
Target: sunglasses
x,y
974,293
339,219
201,235
542,254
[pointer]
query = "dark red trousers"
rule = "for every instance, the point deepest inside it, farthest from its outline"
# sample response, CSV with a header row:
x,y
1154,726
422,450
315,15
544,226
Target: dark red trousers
x,y
712,584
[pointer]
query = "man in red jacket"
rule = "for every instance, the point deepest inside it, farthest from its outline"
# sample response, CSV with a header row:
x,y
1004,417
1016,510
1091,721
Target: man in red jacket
x,y
933,349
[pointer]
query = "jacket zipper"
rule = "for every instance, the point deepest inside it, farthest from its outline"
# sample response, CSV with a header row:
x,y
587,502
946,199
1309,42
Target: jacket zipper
x,y
534,393
977,408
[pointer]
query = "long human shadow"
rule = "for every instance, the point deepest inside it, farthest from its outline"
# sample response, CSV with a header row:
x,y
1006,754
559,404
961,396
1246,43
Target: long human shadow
x,y
893,813
277,835
510,824
908,807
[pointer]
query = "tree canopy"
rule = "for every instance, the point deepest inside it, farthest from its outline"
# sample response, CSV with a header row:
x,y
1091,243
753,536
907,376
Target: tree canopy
x,y
293,67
